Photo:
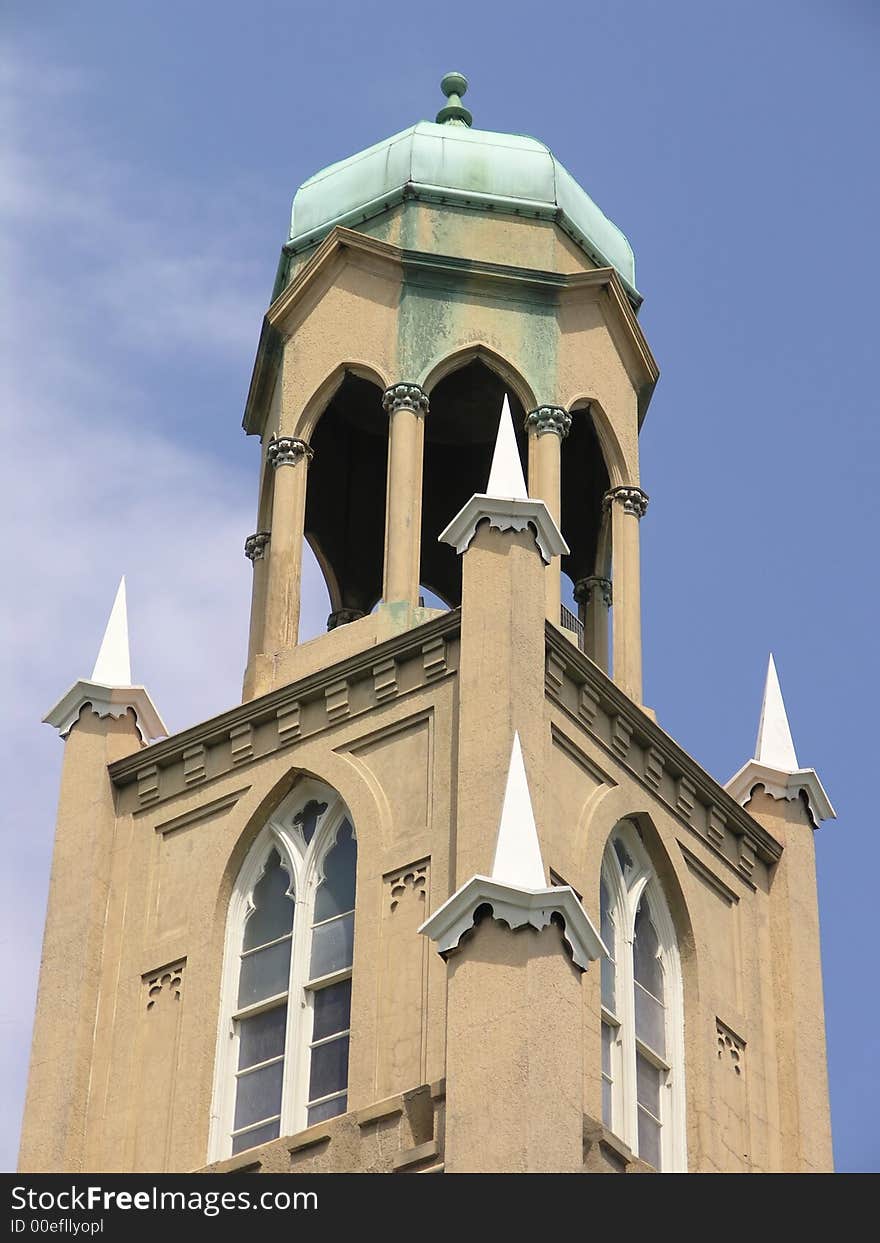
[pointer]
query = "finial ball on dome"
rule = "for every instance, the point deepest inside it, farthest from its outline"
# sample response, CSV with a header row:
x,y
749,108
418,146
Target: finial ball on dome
x,y
454,84
453,87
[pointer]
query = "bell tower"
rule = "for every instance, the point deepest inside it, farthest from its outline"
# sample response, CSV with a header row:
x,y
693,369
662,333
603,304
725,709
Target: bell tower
x,y
439,894
464,266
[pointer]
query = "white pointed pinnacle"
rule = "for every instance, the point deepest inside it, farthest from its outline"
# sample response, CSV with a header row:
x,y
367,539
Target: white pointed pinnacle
x,y
506,477
774,746
517,890
506,502
518,859
113,666
109,691
774,765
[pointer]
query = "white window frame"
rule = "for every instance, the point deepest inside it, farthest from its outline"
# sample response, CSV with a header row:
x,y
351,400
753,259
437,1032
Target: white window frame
x,y
304,864
626,891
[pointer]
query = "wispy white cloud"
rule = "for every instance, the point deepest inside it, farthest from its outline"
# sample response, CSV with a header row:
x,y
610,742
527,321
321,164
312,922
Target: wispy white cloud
x,y
92,484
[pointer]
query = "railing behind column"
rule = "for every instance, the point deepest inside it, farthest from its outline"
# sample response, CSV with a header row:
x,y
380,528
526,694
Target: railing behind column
x,y
570,621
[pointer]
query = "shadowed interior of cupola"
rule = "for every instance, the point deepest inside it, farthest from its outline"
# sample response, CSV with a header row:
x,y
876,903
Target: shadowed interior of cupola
x,y
584,483
345,501
586,525
460,433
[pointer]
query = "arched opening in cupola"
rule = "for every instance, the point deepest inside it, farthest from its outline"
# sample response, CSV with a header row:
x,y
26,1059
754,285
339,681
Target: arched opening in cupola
x,y
345,500
586,528
460,433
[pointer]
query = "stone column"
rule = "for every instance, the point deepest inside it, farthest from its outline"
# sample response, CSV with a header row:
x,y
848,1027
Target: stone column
x,y
593,594
289,458
547,427
406,406
255,547
628,505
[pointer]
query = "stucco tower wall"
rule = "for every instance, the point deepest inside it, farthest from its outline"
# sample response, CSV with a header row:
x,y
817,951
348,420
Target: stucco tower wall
x,y
53,1135
804,1107
514,1053
501,684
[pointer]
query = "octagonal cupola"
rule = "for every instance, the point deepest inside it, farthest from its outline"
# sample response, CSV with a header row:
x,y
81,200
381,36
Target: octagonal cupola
x,y
449,163
426,283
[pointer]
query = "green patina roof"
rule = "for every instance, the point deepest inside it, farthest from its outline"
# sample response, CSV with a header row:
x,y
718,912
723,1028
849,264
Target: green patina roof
x,y
453,163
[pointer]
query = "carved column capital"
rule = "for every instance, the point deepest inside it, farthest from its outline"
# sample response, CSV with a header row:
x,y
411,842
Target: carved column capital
x,y
255,545
633,500
287,451
584,588
405,396
343,616
546,419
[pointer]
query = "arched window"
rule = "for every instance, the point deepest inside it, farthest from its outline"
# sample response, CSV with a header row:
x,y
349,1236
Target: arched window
x,y
642,1010
282,1056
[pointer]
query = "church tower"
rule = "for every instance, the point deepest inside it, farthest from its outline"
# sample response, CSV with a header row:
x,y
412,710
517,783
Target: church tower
x,y
439,894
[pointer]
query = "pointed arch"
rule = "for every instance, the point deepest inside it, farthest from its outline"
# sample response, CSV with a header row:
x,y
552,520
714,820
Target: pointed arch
x,y
313,410
478,351
643,1056
346,427
467,392
620,470
282,1045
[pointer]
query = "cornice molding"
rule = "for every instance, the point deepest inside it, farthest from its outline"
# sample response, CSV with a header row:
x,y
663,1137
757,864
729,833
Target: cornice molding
x,y
106,701
343,245
506,514
783,785
650,754
266,708
515,907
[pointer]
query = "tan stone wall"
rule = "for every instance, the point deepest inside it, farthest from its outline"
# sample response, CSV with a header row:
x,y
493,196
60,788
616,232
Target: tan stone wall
x,y
153,1060
409,715
69,1000
756,1092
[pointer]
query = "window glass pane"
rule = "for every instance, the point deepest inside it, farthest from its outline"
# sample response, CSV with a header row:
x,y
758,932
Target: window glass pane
x,y
606,1104
650,1021
261,1037
258,1095
327,1109
608,985
646,951
259,1135
648,1079
336,892
607,1041
329,1068
264,973
624,858
332,1010
606,917
272,916
332,946
307,819
649,1140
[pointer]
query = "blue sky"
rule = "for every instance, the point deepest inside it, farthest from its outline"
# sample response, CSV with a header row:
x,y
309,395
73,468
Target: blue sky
x,y
150,153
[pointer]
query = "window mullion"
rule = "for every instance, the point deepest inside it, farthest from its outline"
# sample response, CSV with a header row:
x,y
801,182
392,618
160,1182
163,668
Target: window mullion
x,y
293,1095
627,1011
